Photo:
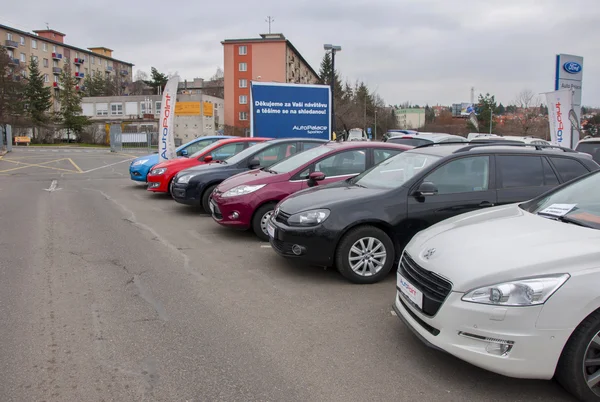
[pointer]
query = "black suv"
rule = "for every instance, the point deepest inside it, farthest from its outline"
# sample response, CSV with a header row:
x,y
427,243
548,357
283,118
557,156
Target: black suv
x,y
362,224
195,185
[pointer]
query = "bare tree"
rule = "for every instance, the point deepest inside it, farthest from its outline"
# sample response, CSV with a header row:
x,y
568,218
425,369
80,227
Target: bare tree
x,y
216,85
528,112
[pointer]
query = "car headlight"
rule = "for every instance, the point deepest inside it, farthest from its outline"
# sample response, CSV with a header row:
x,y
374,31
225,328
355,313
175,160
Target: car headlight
x,y
185,178
242,190
309,218
158,171
522,292
139,162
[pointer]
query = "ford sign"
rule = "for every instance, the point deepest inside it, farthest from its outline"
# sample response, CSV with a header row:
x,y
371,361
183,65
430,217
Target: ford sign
x,y
572,67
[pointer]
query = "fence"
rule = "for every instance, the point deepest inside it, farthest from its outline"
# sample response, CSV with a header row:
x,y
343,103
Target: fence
x,y
132,139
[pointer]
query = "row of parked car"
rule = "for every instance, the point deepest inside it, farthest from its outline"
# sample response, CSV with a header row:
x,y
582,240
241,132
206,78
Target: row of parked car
x,y
495,243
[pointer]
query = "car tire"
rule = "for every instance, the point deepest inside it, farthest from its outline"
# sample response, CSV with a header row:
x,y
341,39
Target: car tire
x,y
170,186
375,247
261,216
205,200
571,371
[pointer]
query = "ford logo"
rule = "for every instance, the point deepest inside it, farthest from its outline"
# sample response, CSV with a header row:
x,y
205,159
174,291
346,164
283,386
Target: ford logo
x,y
572,67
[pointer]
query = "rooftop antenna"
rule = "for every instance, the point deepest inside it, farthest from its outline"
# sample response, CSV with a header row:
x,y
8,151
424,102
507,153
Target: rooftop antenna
x,y
472,95
47,26
269,21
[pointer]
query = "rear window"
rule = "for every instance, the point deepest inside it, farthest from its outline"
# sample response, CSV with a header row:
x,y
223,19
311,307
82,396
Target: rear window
x,y
568,169
592,148
414,142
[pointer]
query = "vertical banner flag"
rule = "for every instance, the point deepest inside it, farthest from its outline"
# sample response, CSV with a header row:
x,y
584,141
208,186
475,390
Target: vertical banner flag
x,y
166,139
560,104
474,121
569,75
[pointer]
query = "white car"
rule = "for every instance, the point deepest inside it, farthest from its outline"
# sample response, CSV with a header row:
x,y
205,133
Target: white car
x,y
513,289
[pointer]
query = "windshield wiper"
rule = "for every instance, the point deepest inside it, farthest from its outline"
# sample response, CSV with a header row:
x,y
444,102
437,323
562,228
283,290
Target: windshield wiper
x,y
566,219
269,171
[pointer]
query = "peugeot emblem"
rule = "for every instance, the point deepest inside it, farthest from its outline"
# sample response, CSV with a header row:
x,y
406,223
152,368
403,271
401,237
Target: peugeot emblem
x,y
427,254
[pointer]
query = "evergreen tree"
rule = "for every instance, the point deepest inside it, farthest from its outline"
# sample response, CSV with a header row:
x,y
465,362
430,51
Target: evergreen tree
x,y
157,79
429,114
500,110
12,85
70,103
325,76
544,110
485,108
38,97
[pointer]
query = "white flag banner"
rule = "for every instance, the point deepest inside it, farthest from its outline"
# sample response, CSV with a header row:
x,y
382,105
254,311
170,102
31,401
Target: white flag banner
x,y
560,104
166,141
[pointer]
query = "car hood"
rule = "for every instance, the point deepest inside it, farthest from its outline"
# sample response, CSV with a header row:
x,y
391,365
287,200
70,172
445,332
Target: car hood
x,y
178,162
252,177
503,243
149,160
328,196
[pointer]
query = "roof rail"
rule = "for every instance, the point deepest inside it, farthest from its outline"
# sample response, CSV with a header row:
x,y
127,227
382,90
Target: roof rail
x,y
431,144
505,143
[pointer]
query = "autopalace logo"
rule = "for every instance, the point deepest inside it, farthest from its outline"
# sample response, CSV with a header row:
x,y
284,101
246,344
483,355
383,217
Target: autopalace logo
x,y
559,131
165,124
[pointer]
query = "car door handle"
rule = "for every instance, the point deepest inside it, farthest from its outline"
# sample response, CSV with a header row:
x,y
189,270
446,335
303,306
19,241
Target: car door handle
x,y
484,204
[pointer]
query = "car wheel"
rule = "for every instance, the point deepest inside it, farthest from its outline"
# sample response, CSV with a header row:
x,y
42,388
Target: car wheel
x,y
260,220
170,186
365,255
578,369
205,204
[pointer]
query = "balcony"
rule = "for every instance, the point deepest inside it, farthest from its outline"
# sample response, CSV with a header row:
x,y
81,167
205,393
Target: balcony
x,y
57,56
56,85
56,70
109,69
124,84
78,61
14,62
124,72
79,75
11,44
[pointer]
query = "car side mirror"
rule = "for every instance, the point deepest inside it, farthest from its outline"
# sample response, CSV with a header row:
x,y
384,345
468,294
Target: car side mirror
x,y
184,153
208,158
253,163
314,177
426,189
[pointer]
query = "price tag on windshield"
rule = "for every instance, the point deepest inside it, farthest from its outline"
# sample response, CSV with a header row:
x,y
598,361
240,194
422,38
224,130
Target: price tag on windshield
x,y
558,209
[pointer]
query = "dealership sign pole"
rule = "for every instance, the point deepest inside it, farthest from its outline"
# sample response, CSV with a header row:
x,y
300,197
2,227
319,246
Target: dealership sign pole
x,y
560,107
569,75
166,142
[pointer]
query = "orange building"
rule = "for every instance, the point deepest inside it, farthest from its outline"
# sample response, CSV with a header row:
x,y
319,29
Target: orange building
x,y
270,58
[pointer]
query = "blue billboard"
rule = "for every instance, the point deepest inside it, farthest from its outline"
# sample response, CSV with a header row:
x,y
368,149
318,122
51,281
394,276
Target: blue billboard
x,y
290,110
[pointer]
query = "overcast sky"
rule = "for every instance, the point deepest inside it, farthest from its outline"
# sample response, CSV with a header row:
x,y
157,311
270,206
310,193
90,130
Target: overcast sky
x,y
423,51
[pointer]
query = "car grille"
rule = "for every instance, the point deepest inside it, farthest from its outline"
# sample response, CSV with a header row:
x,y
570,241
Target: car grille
x,y
281,246
435,288
216,211
282,217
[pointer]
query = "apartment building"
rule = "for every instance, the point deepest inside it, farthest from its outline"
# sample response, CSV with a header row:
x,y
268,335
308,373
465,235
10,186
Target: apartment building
x,y
270,58
53,55
410,118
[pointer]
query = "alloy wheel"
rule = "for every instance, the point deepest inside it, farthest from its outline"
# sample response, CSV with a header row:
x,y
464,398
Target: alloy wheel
x,y
591,364
367,256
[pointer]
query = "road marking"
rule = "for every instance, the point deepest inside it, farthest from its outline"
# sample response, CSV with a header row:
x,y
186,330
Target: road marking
x,y
105,166
75,165
265,246
52,187
41,165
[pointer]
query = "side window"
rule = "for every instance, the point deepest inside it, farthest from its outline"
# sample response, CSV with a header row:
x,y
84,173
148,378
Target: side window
x,y
568,169
343,163
197,146
227,150
462,175
272,154
550,178
309,145
520,171
290,150
382,154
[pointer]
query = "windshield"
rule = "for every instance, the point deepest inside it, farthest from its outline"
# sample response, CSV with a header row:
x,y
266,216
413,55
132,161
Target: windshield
x,y
592,148
577,203
247,152
297,160
395,171
355,134
201,151
414,142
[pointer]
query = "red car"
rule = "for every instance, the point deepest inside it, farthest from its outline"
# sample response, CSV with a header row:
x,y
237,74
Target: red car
x,y
161,176
247,200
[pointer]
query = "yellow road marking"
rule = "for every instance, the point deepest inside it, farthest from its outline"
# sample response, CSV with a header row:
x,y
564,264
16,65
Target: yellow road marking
x,y
41,165
75,165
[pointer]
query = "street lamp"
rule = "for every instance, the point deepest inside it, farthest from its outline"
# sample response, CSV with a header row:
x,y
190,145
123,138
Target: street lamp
x,y
332,48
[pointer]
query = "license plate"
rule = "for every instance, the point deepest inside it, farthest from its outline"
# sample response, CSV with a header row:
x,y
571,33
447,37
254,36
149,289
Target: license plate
x,y
413,294
270,230
212,208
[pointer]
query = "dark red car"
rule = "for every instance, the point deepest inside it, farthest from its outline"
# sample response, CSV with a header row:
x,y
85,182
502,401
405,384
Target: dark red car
x,y
247,200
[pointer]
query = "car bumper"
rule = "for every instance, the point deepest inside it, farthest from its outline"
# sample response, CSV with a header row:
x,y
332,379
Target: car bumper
x,y
233,212
157,186
472,332
138,173
186,194
315,245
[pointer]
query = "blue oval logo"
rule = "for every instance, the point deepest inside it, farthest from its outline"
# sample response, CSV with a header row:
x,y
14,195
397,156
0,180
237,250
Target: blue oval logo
x,y
572,67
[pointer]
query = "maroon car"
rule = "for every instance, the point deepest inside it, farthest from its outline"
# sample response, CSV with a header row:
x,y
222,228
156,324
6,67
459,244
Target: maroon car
x,y
247,200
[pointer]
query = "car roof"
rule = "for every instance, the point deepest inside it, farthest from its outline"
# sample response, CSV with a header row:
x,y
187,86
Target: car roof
x,y
334,145
241,139
592,139
278,140
426,135
447,149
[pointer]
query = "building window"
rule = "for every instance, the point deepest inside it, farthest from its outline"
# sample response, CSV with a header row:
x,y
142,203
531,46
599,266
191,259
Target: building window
x,y
54,63
45,47
34,44
243,100
10,54
101,109
157,106
56,79
93,60
243,50
35,58
46,61
8,36
144,105
23,59
76,55
53,48
243,83
22,41
243,67
46,78
77,69
24,73
116,109
243,115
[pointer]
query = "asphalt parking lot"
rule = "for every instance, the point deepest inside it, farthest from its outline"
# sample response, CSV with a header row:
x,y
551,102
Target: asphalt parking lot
x,y
110,292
